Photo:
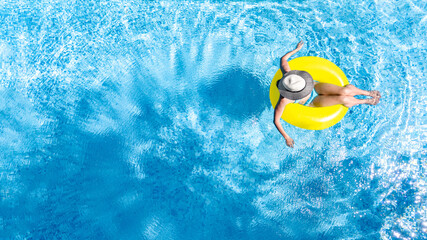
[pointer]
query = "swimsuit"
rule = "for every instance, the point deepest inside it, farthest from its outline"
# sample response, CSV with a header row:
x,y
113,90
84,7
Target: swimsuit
x,y
313,95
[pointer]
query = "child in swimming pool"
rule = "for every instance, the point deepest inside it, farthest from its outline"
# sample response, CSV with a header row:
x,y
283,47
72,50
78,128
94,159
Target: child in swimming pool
x,y
298,86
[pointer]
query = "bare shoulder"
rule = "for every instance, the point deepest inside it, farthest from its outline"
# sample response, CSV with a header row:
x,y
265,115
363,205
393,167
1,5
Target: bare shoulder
x,y
285,101
284,65
280,108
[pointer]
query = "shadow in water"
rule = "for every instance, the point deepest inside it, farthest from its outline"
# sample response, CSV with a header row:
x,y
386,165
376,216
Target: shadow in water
x,y
236,93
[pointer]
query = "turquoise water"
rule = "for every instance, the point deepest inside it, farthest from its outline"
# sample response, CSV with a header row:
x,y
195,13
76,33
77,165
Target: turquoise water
x,y
151,120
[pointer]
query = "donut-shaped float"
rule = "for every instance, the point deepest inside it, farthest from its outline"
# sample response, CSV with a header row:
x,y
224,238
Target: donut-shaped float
x,y
312,118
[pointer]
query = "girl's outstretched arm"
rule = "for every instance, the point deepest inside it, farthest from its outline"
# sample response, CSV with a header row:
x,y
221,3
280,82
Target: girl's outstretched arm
x,y
284,66
278,111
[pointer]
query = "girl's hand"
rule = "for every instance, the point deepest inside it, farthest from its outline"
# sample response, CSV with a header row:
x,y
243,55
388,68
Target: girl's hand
x,y
299,45
290,142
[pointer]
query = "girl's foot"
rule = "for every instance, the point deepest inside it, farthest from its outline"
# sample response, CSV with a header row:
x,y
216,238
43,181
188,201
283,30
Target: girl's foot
x,y
373,101
374,94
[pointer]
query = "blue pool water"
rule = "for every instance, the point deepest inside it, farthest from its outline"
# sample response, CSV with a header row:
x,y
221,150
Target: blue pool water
x,y
151,120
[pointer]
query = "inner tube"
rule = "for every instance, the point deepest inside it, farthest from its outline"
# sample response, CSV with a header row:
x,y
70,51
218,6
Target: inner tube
x,y
312,118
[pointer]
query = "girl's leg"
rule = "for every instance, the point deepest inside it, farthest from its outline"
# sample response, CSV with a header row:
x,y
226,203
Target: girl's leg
x,y
348,101
348,90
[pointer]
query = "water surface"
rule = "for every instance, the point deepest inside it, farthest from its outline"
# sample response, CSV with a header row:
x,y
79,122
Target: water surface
x,y
151,120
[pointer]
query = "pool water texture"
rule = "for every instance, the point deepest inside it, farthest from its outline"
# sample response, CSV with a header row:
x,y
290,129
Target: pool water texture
x,y
151,120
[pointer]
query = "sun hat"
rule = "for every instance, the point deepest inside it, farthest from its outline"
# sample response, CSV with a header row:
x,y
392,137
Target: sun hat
x,y
295,84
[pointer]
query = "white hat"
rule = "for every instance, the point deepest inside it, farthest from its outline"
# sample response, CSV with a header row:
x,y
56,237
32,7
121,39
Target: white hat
x,y
295,84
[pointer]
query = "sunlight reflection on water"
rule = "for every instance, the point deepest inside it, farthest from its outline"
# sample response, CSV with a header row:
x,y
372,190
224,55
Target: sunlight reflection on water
x,y
152,120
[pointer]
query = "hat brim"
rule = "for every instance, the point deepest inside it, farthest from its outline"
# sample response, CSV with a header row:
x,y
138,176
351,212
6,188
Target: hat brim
x,y
309,85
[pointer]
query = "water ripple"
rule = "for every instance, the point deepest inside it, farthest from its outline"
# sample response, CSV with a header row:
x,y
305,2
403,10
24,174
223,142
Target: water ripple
x,y
152,120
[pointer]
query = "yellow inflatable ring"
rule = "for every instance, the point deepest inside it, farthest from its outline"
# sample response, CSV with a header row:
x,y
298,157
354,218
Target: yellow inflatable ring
x,y
312,118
